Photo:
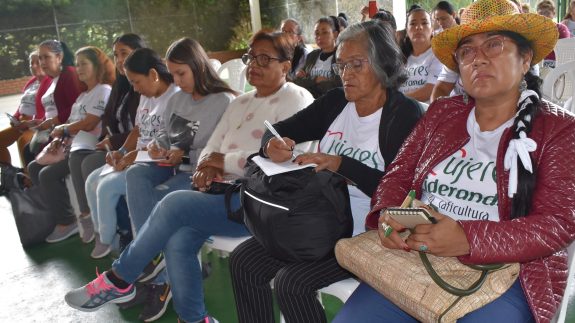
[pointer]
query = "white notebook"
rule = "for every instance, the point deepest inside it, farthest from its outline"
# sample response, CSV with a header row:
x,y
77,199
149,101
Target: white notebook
x,y
271,168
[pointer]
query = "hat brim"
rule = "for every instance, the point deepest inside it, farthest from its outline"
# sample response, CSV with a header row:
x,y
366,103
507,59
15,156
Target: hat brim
x,y
540,31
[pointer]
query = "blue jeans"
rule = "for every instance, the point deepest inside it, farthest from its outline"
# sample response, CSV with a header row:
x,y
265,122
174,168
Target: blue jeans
x,y
179,225
103,194
146,185
368,305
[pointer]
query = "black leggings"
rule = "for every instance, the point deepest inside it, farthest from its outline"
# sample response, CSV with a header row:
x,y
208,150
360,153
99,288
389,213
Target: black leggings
x,y
295,285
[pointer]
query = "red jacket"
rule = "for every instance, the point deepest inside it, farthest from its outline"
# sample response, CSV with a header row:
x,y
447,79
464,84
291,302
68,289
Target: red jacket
x,y
537,241
67,91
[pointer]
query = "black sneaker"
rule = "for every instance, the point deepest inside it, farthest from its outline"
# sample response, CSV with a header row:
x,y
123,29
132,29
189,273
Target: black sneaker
x,y
142,291
153,268
158,298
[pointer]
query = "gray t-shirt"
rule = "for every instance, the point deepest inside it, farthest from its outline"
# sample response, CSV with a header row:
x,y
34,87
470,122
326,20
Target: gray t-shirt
x,y
187,124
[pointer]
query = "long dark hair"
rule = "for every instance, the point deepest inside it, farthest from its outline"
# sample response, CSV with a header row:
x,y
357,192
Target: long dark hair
x,y
406,45
447,7
190,52
142,60
59,47
525,180
122,85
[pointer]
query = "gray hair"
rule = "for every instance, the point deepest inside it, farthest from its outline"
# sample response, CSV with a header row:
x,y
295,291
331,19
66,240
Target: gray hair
x,y
384,55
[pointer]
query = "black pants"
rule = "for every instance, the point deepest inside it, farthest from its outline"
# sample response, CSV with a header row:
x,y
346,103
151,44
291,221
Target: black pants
x,y
295,285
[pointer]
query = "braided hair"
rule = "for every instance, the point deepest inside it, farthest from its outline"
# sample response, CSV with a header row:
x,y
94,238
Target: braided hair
x,y
523,122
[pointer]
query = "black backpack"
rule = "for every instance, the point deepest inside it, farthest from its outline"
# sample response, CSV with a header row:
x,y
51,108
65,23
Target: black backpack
x,y
296,216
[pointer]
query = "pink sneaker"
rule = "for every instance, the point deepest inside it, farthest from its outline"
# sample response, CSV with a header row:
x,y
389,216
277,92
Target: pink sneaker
x,y
97,293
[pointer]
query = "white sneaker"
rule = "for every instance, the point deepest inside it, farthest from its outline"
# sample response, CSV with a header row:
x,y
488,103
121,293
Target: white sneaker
x,y
62,232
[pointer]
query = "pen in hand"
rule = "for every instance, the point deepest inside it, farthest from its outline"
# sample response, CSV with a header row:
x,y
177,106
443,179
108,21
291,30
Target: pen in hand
x,y
275,133
111,155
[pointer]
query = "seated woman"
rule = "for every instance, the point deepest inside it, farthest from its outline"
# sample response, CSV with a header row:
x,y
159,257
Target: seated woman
x,y
149,75
190,118
292,28
183,220
96,72
30,112
117,121
422,66
371,119
57,61
317,76
547,8
527,205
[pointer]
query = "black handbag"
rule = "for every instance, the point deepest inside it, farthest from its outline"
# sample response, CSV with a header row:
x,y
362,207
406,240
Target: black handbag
x,y
296,216
33,219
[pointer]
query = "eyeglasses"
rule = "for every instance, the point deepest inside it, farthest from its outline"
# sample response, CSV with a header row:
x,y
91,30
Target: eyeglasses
x,y
355,65
491,48
262,60
289,32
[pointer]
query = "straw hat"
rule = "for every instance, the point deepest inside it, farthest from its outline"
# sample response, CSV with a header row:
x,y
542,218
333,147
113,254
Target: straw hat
x,y
496,15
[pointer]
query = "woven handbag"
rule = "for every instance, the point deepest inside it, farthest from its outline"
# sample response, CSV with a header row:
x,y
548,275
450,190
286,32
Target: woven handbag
x,y
403,278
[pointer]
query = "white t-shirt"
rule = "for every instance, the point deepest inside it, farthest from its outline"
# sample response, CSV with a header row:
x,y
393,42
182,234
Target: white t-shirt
x,y
447,75
48,101
421,70
464,186
322,68
91,102
28,101
241,128
571,25
358,138
149,115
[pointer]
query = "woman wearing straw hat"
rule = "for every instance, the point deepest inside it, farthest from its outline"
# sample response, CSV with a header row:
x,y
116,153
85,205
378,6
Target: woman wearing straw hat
x,y
502,128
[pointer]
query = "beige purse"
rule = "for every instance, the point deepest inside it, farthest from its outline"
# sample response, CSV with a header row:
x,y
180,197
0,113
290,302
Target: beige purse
x,y
403,279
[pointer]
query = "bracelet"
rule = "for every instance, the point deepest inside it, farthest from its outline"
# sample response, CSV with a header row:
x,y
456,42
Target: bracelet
x,y
122,150
66,132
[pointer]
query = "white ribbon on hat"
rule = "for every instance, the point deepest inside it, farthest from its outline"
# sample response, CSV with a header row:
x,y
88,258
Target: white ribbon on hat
x,y
521,147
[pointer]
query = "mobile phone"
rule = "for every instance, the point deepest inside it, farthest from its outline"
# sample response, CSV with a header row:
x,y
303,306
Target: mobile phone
x,y
13,119
411,217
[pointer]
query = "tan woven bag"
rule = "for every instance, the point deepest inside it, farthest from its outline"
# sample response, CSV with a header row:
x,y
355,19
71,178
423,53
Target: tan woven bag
x,y
402,278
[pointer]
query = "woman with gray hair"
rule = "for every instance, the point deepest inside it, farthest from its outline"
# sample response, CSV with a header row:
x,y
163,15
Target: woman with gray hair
x,y
368,117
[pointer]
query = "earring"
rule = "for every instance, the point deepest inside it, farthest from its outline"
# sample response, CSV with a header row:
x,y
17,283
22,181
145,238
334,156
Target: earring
x,y
523,86
157,79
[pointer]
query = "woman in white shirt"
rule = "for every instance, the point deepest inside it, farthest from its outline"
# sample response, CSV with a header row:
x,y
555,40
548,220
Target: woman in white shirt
x,y
150,77
96,71
422,66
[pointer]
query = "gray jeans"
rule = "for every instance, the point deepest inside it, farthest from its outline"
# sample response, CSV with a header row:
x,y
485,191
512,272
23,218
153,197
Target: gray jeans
x,y
82,163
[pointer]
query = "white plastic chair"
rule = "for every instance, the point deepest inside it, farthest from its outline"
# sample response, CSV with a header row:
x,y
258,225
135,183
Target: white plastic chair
x,y
216,64
224,245
559,84
564,51
569,293
234,73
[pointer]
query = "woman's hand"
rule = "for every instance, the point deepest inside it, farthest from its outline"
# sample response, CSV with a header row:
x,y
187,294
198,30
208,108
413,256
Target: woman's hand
x,y
387,230
278,151
125,161
202,178
155,151
113,158
300,74
323,161
446,238
213,159
46,124
321,79
58,132
102,144
172,157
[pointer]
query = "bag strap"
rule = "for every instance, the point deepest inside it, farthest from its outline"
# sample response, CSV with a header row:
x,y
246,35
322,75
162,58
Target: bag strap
x,y
237,215
455,290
